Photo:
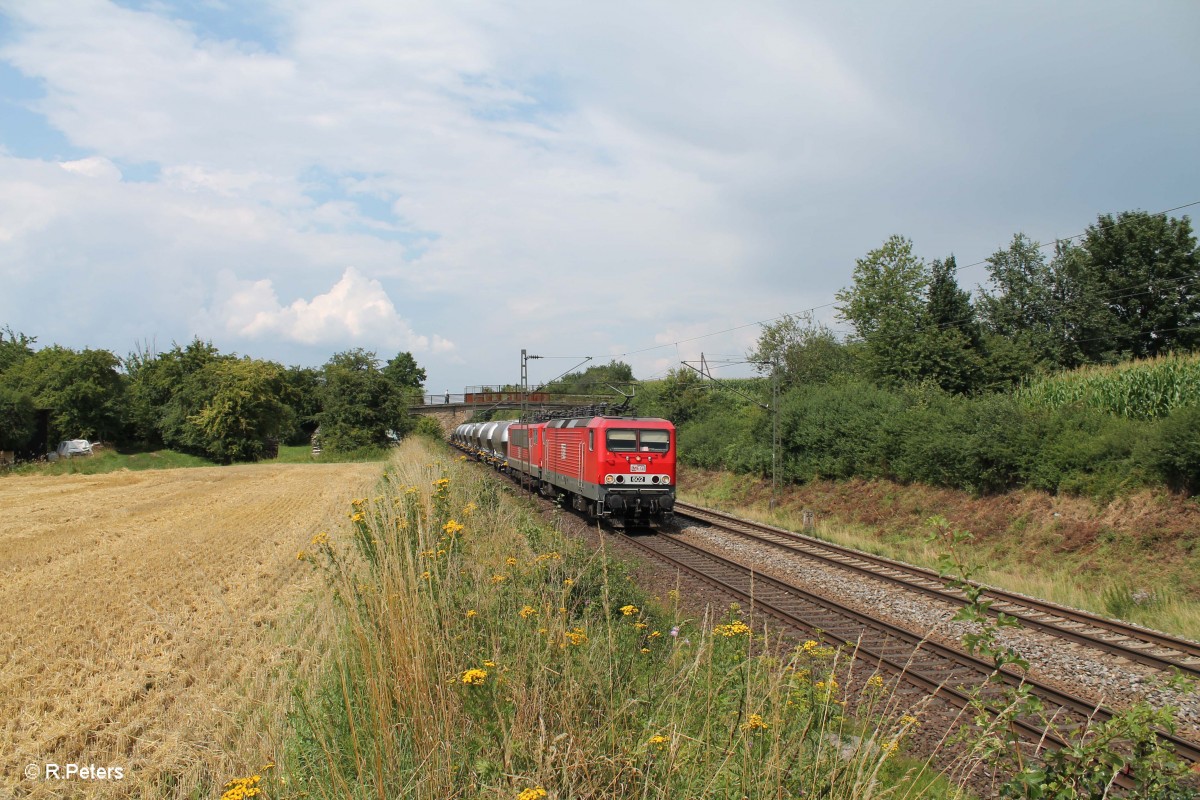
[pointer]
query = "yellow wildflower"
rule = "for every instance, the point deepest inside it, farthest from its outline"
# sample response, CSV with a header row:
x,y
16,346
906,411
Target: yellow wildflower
x,y
575,637
641,626
499,578
474,676
875,681
321,538
568,582
909,719
301,555
241,788
472,613
629,611
527,612
645,649
426,575
535,793
452,527
736,628
754,722
510,561
659,741
490,664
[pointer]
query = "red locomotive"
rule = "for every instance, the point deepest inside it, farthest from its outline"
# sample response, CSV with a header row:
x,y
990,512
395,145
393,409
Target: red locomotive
x,y
621,469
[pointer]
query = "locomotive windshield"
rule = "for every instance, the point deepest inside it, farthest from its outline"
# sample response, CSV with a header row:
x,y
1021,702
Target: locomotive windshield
x,y
645,441
656,441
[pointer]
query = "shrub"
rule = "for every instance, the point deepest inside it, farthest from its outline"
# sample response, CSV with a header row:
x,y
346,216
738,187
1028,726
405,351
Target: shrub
x,y
1173,450
835,431
1087,453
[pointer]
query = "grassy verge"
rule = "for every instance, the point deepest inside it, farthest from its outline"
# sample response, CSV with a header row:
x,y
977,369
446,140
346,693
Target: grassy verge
x,y
482,654
1137,562
302,454
109,459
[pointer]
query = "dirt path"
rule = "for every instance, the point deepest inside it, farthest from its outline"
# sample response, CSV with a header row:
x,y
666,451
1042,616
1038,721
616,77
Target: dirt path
x,y
148,620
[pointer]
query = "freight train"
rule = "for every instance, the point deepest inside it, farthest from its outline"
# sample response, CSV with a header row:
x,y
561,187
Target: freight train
x,y
619,469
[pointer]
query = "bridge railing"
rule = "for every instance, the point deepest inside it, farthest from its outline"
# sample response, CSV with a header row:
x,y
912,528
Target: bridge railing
x,y
487,395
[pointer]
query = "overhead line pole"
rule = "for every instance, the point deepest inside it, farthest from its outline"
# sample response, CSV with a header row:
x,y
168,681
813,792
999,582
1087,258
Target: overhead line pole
x,y
773,407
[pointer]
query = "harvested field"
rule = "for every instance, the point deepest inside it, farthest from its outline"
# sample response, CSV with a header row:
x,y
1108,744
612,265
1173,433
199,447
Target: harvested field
x,y
155,621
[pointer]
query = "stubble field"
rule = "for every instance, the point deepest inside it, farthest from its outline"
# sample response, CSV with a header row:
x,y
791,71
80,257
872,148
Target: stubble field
x,y
156,621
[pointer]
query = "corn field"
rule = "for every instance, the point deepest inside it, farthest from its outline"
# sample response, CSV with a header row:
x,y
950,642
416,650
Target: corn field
x,y
1144,389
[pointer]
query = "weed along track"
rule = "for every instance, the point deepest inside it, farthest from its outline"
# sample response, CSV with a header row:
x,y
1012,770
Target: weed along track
x,y
148,619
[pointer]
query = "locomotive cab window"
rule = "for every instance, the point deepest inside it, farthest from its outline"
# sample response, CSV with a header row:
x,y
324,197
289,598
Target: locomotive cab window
x,y
655,441
632,441
622,441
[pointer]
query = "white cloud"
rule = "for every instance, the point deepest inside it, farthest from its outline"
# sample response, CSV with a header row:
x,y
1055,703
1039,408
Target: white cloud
x,y
356,311
93,167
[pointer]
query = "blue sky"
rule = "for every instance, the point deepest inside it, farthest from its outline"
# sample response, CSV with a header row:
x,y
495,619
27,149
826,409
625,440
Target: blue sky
x,y
464,181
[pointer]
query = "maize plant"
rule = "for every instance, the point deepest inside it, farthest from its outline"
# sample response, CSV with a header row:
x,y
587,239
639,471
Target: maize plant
x,y
1145,389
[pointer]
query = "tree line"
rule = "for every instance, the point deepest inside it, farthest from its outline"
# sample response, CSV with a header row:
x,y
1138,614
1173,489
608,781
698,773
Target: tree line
x,y
195,399
1129,289
922,388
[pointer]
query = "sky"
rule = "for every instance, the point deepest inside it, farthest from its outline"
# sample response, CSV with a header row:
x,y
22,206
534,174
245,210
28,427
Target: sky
x,y
641,181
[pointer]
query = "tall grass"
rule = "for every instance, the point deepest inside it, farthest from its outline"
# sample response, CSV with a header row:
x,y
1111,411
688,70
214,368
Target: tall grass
x,y
484,655
1145,389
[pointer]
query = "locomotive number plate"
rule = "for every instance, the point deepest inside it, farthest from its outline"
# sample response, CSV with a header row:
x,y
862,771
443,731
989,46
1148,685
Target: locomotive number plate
x,y
637,467
638,478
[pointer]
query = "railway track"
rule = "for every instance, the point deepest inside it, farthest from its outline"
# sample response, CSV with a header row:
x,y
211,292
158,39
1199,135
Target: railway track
x,y
1139,645
935,669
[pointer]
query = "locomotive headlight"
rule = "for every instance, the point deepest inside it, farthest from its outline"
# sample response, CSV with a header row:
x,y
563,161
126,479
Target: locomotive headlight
x,y
654,479
620,479
666,478
609,478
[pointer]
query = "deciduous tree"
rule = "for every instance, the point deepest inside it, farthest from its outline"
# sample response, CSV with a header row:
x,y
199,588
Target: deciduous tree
x,y
886,305
1148,272
359,405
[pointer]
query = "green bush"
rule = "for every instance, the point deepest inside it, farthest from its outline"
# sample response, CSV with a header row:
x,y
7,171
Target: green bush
x,y
1004,439
834,431
1173,449
928,442
1088,453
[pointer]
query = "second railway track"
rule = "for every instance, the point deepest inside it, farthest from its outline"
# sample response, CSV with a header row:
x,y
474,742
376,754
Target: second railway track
x,y
1139,645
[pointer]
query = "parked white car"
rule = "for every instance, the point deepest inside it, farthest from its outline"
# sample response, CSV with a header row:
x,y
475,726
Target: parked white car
x,y
74,447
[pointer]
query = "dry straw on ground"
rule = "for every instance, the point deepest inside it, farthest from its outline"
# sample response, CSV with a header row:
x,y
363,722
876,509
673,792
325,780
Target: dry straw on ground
x,y
150,620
